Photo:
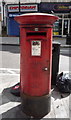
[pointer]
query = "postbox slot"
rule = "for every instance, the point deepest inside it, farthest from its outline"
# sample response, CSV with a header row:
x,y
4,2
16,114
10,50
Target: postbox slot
x,y
36,34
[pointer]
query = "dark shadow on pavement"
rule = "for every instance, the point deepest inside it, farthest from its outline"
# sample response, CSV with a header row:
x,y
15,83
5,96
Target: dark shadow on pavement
x,y
64,54
15,112
58,95
7,96
11,48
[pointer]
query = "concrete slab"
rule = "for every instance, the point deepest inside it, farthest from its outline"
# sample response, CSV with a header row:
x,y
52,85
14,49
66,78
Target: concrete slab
x,y
11,105
9,40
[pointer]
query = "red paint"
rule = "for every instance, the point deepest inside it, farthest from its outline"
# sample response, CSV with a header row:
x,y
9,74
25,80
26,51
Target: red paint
x,y
34,80
22,7
38,18
14,8
16,87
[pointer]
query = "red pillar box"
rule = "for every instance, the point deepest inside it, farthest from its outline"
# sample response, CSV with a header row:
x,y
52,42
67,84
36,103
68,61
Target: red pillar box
x,y
36,62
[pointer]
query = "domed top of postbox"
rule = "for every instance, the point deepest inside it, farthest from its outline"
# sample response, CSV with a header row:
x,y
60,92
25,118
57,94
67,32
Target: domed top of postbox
x,y
36,18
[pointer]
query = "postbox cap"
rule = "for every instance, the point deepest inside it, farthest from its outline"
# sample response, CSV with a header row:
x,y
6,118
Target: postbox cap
x,y
36,18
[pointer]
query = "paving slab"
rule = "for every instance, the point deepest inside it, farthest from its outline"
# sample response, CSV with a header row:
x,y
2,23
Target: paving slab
x,y
11,105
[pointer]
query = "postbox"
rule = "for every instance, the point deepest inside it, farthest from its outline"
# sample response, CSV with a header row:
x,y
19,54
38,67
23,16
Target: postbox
x,y
36,62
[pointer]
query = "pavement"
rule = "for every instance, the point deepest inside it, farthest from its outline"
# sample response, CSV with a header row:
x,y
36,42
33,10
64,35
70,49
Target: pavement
x,y
10,105
16,41
9,40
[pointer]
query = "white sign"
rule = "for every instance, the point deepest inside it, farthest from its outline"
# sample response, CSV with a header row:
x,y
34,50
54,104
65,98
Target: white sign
x,y
36,48
23,8
13,15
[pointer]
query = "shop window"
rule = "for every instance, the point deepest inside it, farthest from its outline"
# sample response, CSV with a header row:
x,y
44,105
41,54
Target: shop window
x,y
65,27
66,16
57,30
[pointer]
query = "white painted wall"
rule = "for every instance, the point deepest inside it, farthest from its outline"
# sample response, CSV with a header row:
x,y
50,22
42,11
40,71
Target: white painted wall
x,y
34,1
22,1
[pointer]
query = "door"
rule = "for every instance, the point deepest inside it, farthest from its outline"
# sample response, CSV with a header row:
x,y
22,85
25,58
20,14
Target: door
x,y
65,27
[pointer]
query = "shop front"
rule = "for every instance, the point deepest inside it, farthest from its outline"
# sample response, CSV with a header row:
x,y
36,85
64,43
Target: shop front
x,y
62,26
62,10
12,11
0,20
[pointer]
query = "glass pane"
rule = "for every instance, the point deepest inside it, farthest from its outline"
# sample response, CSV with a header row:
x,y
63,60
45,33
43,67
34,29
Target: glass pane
x,y
65,27
60,16
57,30
66,16
70,27
60,27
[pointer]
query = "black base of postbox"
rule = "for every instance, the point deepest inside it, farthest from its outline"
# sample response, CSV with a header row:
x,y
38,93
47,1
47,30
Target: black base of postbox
x,y
37,107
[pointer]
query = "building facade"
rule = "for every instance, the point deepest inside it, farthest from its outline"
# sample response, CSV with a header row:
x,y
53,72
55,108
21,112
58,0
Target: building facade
x,y
33,1
61,9
12,11
0,20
